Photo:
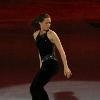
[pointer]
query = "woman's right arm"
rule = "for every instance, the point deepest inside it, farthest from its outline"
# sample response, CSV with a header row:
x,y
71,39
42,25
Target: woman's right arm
x,y
35,35
40,61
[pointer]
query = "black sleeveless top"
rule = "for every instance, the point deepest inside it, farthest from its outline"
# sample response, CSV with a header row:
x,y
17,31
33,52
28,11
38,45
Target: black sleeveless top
x,y
44,45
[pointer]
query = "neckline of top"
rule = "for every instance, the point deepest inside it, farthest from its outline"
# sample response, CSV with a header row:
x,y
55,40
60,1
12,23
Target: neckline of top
x,y
43,33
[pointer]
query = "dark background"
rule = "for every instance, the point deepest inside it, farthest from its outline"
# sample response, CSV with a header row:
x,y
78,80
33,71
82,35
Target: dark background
x,y
77,23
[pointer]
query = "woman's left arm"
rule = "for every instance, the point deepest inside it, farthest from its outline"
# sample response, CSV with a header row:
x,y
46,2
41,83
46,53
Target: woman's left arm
x,y
55,39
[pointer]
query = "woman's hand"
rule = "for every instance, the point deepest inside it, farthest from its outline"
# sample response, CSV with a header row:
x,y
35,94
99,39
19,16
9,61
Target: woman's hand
x,y
67,72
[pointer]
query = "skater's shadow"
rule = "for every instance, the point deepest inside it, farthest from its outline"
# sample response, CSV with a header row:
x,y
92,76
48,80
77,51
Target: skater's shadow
x,y
65,96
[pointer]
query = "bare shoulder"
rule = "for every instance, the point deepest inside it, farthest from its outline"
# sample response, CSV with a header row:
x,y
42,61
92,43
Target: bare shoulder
x,y
51,32
52,36
35,34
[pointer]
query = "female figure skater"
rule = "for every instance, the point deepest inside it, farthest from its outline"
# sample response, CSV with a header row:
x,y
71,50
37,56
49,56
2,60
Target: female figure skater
x,y
46,40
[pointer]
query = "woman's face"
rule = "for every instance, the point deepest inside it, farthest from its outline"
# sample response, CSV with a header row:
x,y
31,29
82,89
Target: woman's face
x,y
45,24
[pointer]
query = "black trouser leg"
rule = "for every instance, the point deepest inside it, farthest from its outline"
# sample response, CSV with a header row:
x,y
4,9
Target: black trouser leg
x,y
39,94
48,69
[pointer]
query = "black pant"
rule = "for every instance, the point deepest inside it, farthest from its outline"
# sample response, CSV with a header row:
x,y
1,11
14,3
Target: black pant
x,y
48,69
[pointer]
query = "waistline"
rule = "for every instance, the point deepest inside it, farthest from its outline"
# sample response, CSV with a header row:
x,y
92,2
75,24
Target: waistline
x,y
48,57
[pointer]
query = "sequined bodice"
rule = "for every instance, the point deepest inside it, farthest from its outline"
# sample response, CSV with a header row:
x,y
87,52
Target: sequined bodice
x,y
44,45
